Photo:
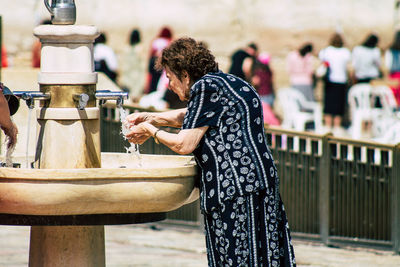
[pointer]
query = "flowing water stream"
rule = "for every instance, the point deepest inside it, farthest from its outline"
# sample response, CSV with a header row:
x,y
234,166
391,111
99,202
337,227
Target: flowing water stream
x,y
27,138
134,148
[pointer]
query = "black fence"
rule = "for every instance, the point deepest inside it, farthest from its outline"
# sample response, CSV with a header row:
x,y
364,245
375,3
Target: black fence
x,y
335,190
339,190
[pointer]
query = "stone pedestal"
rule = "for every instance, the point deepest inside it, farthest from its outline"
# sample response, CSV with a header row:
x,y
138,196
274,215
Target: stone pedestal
x,y
66,54
68,138
66,246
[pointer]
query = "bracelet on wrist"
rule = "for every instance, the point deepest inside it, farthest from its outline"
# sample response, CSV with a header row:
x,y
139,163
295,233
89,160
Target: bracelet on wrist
x,y
155,136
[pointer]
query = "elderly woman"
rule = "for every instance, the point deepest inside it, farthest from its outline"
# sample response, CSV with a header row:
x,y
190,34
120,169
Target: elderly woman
x,y
222,126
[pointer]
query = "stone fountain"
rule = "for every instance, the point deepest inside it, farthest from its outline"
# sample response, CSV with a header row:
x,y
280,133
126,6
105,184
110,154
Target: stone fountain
x,y
74,189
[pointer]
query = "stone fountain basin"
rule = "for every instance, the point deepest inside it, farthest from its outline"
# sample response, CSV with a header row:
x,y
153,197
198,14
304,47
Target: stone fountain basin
x,y
163,183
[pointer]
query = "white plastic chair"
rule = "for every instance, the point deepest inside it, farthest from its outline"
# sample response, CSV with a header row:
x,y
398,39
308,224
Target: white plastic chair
x,y
383,117
361,104
386,97
391,134
297,111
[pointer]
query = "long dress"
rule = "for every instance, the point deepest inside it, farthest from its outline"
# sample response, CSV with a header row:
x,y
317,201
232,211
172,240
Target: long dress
x,y
245,220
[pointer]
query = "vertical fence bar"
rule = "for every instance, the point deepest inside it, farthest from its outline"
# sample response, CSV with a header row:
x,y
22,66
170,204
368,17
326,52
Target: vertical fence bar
x,y
316,159
324,190
396,199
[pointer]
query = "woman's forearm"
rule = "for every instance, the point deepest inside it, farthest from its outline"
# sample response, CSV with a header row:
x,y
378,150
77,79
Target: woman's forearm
x,y
172,118
183,142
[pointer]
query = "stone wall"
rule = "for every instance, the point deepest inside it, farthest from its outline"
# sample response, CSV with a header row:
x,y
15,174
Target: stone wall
x,y
276,25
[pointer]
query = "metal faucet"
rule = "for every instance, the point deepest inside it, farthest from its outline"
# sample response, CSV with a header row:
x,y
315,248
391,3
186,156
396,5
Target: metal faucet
x,y
82,100
104,95
31,96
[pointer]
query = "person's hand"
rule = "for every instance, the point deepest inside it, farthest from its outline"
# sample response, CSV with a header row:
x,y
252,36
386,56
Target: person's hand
x,y
136,118
138,133
11,132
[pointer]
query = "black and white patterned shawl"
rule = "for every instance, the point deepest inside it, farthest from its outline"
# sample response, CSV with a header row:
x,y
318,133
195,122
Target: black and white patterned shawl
x,y
233,155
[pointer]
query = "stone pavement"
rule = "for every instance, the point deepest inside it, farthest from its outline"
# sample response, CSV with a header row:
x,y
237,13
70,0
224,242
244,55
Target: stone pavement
x,y
163,245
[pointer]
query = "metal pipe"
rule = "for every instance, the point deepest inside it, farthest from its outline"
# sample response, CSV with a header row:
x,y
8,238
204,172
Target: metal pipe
x,y
104,95
31,96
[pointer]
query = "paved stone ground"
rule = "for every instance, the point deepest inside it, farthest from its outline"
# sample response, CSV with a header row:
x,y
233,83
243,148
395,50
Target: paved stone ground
x,y
161,245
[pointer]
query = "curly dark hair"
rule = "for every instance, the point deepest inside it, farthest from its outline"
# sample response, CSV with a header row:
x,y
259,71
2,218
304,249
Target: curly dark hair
x,y
186,54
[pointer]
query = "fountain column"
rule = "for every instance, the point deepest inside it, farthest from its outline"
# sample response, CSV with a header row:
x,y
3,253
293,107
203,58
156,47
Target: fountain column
x,y
67,138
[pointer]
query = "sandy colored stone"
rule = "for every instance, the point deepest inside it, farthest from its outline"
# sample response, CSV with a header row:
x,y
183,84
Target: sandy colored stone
x,y
162,183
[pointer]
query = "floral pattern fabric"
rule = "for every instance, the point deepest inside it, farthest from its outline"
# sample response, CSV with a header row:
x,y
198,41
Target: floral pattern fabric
x,y
250,231
236,165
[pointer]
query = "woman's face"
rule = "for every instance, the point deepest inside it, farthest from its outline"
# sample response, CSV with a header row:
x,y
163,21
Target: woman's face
x,y
179,87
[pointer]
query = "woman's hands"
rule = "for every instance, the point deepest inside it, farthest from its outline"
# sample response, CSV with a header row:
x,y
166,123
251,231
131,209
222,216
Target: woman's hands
x,y
139,133
136,118
141,127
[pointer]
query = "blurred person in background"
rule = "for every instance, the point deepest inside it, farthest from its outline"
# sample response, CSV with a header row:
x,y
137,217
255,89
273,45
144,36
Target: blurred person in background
x,y
392,62
300,67
261,78
244,217
105,59
337,58
156,99
163,39
242,61
132,68
366,60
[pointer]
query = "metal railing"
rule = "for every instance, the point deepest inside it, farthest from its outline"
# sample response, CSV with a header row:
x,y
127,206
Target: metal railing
x,y
339,190
335,190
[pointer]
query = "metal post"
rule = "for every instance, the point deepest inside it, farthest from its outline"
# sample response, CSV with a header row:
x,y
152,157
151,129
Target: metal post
x,y
396,199
324,190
